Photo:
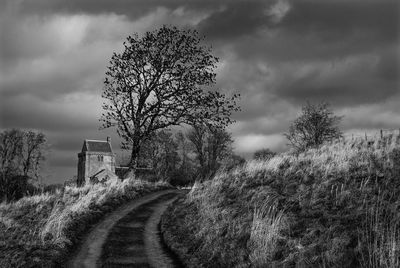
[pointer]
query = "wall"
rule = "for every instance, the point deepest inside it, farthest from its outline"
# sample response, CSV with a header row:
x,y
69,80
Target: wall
x,y
89,164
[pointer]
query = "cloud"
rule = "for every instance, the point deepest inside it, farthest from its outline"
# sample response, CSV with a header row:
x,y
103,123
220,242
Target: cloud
x,y
279,10
368,78
57,55
385,115
252,142
132,10
237,19
335,20
77,112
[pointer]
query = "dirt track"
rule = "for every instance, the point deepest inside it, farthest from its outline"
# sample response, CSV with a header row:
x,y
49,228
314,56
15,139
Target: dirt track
x,y
128,237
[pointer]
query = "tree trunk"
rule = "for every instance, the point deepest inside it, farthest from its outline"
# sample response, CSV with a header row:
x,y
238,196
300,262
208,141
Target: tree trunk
x,y
134,157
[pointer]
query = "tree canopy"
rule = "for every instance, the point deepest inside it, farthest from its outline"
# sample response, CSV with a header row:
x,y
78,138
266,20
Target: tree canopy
x,y
316,125
162,79
21,155
212,145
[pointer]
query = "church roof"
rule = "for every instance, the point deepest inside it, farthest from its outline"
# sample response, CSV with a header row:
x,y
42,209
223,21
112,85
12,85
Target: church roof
x,y
97,146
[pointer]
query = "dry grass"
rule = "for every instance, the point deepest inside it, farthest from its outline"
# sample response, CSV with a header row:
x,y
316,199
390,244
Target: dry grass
x,y
302,210
39,230
265,233
380,236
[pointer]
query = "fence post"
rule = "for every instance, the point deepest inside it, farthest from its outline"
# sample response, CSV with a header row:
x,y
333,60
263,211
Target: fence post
x,y
381,134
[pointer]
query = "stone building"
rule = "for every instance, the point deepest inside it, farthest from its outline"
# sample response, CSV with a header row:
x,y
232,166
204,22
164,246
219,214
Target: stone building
x,y
96,162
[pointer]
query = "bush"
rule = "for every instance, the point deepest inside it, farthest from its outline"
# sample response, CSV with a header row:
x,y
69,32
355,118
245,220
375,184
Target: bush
x,y
14,187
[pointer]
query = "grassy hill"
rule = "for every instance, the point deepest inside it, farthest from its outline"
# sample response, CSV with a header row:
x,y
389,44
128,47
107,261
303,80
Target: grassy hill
x,y
39,231
336,206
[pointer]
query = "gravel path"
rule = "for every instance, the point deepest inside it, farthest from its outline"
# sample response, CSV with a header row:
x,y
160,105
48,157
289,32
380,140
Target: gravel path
x,y
129,237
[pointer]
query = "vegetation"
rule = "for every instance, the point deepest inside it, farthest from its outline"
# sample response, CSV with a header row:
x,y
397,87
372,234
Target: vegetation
x,y
39,231
211,146
160,80
21,155
316,125
263,154
332,206
183,158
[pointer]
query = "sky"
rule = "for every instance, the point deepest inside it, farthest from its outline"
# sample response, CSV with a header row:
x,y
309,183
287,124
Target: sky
x,y
278,54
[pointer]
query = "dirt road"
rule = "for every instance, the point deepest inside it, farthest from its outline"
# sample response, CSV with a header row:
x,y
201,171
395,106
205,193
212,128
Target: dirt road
x,y
129,237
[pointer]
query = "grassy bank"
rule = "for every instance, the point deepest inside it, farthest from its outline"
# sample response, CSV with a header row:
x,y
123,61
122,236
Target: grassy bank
x,y
336,206
39,231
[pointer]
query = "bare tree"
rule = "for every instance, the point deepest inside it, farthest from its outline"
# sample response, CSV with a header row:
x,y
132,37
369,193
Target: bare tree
x,y
212,144
160,80
21,154
197,136
160,153
184,147
11,148
316,125
33,153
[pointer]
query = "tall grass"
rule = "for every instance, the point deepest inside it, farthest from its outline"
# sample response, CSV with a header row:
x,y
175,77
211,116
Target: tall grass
x,y
379,236
267,224
79,201
333,206
39,230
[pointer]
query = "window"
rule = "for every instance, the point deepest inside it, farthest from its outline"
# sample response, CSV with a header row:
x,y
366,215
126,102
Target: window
x,y
100,158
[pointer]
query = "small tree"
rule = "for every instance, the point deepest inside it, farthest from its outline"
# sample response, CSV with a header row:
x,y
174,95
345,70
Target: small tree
x,y
160,153
33,153
21,154
263,154
316,125
11,151
211,145
160,80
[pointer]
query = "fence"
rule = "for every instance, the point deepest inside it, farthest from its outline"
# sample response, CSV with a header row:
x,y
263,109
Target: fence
x,y
372,135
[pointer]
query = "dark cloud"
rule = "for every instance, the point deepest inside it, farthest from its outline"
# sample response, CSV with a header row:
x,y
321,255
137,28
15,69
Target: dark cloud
x,y
236,19
355,80
389,67
334,20
25,111
132,9
309,29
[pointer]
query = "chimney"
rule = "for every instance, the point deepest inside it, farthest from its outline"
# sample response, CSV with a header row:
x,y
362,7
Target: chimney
x,y
108,139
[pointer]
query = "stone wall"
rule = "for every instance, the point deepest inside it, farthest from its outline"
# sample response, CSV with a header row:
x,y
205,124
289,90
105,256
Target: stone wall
x,y
90,163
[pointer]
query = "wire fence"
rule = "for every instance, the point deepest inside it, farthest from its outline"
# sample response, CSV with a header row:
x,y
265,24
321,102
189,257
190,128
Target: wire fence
x,y
372,135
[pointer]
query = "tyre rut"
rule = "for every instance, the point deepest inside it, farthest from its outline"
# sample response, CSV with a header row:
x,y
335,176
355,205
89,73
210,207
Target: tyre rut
x,y
132,240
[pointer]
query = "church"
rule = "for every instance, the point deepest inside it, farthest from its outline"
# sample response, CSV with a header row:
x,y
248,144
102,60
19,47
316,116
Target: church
x,y
96,162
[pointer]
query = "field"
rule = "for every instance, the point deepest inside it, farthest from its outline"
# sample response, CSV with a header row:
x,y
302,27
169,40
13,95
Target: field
x,y
335,206
40,231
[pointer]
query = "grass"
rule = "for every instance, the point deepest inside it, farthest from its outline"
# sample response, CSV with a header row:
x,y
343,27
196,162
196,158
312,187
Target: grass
x,y
39,231
380,232
335,206
266,227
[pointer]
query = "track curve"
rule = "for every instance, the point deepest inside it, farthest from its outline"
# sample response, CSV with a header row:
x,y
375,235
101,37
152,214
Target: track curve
x,y
129,236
